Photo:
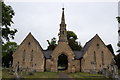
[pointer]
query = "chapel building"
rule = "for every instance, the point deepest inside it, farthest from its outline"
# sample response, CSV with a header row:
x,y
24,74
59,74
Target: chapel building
x,y
94,56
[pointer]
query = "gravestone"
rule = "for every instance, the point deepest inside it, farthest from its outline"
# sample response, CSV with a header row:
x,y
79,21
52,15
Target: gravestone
x,y
34,68
21,74
26,71
16,70
10,70
3,65
115,72
106,72
92,71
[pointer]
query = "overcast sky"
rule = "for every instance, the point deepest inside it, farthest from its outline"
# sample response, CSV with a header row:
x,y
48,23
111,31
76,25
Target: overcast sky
x,y
86,19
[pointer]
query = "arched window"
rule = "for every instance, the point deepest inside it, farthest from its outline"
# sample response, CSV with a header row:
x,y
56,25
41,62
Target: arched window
x,y
94,56
23,56
28,43
102,57
31,56
97,46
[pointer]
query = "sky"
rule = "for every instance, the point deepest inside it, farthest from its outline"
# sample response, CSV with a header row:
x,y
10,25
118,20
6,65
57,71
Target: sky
x,y
86,19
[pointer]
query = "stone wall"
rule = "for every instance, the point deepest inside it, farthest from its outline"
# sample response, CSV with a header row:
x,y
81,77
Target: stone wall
x,y
96,50
63,48
48,64
29,55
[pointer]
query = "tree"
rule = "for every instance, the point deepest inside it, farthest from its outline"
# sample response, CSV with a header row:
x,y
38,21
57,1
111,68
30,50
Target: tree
x,y
72,37
7,15
52,43
7,51
118,19
117,57
109,46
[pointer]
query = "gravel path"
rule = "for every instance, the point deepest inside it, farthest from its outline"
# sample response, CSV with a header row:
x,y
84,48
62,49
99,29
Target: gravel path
x,y
64,76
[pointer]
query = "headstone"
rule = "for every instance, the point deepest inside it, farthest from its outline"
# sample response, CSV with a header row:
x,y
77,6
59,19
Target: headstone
x,y
21,72
16,70
34,68
27,71
105,72
92,71
3,65
115,72
10,70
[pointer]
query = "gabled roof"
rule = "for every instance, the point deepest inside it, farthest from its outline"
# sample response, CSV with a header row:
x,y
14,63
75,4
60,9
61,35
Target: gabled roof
x,y
30,34
87,45
33,39
36,41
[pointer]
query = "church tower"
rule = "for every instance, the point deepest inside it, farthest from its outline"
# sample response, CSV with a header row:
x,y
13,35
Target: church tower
x,y
63,32
63,51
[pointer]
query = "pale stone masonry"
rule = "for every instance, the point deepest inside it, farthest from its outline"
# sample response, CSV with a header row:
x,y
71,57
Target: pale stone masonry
x,y
94,55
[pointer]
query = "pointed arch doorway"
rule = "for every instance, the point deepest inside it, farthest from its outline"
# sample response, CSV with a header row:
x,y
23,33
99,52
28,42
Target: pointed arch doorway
x,y
62,62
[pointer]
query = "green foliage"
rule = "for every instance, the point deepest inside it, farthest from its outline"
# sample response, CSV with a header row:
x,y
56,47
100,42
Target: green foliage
x,y
29,76
7,15
7,51
72,37
117,59
52,43
110,48
118,19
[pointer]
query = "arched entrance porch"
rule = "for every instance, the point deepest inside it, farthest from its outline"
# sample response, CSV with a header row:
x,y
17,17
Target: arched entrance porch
x,y
62,62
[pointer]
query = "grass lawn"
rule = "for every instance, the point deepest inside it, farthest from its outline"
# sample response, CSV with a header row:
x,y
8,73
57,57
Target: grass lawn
x,y
84,76
43,75
87,76
5,74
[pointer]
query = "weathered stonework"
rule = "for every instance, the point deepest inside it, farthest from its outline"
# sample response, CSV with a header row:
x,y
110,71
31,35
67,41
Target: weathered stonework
x,y
96,46
94,55
29,48
63,48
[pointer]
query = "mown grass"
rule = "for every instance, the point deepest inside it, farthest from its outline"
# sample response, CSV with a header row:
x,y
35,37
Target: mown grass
x,y
43,75
77,76
5,74
87,76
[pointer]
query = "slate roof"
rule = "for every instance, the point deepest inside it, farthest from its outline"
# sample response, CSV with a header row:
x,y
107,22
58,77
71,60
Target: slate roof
x,y
47,53
87,45
78,54
36,41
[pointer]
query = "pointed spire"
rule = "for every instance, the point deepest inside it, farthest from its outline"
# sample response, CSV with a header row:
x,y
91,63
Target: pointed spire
x,y
63,16
63,32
